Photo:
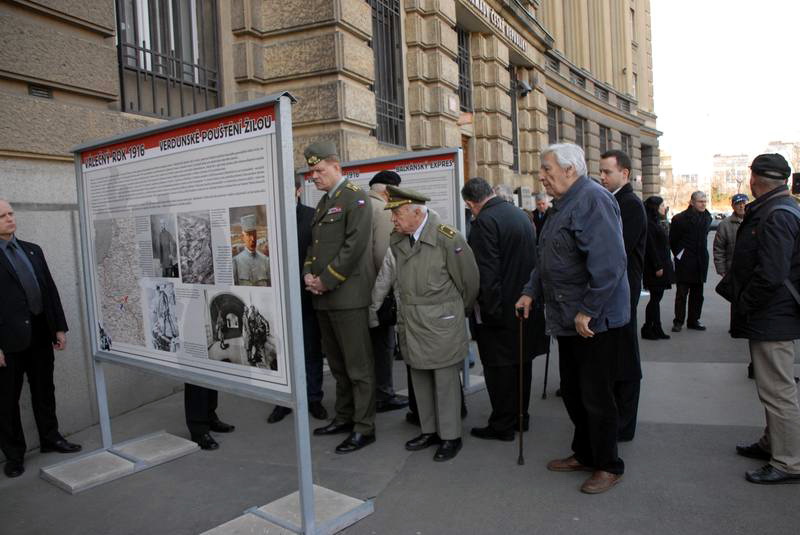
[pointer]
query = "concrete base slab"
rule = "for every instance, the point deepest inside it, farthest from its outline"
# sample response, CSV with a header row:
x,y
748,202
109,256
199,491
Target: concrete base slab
x,y
248,524
156,449
102,466
88,471
333,511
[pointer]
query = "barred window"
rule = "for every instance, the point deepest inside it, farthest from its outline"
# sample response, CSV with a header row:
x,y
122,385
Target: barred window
x,y
624,104
601,93
464,71
581,132
626,144
167,54
514,93
386,43
552,63
553,123
577,79
605,139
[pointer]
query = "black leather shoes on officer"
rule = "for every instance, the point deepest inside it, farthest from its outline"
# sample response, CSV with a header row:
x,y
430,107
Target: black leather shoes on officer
x,y
334,428
355,442
206,442
447,450
753,451
218,426
14,468
489,433
425,440
61,446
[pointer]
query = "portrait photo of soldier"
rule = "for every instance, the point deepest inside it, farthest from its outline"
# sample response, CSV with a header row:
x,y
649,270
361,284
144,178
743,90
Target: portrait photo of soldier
x,y
250,246
163,230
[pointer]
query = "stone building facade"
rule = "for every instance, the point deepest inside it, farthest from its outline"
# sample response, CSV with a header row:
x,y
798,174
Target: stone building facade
x,y
500,78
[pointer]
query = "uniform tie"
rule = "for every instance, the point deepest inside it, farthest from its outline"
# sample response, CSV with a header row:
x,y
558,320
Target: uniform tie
x,y
27,278
411,239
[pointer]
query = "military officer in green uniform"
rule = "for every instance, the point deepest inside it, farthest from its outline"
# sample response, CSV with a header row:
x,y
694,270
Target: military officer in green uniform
x,y
437,281
338,271
251,266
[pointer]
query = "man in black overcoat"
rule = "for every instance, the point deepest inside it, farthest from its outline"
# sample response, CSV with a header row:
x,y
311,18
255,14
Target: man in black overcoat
x,y
615,170
32,324
504,244
312,339
688,239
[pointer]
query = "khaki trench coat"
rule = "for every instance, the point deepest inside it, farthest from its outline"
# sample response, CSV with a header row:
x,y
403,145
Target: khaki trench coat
x,y
437,280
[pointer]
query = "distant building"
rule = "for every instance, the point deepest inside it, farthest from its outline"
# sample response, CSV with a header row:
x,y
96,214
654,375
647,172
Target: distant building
x,y
731,173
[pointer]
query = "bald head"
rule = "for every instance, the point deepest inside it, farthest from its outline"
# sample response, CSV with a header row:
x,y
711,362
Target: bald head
x,y
8,221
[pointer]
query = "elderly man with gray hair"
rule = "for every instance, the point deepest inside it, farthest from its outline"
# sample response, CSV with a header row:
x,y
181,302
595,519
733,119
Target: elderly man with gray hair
x,y
580,275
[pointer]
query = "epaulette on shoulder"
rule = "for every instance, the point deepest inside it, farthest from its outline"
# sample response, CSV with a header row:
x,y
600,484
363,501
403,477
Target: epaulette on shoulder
x,y
352,187
447,230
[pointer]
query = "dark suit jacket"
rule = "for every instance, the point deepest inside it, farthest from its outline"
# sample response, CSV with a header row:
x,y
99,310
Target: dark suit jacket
x,y
538,221
15,318
634,234
305,219
689,233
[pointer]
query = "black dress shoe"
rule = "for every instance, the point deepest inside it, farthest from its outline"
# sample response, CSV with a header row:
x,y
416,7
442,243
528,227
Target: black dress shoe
x,y
676,327
753,451
278,414
425,440
447,450
696,326
218,426
14,468
489,433
355,442
61,446
334,429
392,404
769,475
412,418
206,442
316,410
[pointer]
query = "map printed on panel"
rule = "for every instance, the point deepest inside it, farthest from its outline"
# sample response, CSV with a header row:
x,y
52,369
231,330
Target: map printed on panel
x,y
117,274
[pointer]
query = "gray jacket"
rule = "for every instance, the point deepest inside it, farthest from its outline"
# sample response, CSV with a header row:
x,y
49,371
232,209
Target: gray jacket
x,y
581,262
724,241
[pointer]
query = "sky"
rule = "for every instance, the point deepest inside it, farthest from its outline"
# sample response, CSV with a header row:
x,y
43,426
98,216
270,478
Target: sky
x,y
726,77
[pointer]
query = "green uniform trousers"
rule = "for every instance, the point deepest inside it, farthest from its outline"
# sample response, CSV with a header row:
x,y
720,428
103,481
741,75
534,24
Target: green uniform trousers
x,y
438,393
348,348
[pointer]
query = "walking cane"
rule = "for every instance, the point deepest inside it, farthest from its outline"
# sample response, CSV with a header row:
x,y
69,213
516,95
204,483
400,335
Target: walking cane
x,y
546,369
521,458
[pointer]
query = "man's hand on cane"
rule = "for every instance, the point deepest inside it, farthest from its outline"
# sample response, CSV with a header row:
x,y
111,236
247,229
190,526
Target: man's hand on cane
x,y
523,306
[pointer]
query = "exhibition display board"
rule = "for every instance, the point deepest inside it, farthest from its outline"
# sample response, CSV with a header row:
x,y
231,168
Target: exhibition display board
x,y
436,173
191,269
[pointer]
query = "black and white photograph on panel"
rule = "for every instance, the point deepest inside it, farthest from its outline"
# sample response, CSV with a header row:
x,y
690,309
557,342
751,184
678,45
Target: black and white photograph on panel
x,y
194,241
164,232
250,246
161,310
239,328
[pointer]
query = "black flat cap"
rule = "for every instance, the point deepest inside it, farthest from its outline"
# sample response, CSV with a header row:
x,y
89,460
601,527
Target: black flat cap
x,y
772,166
390,178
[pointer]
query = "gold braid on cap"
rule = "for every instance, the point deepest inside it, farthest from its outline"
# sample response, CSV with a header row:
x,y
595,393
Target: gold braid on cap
x,y
313,159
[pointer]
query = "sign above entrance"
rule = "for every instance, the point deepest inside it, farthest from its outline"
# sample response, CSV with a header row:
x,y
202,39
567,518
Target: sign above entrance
x,y
500,23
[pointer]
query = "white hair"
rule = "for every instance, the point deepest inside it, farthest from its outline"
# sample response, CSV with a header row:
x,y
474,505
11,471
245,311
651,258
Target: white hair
x,y
422,208
568,155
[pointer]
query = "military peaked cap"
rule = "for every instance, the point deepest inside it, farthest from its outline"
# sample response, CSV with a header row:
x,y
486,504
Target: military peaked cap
x,y
316,152
399,197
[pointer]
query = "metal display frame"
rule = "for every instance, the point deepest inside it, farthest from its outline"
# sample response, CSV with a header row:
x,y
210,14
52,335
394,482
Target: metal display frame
x,y
289,268
457,205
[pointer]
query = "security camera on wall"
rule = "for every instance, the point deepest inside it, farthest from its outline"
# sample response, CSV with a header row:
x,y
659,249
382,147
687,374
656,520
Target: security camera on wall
x,y
524,88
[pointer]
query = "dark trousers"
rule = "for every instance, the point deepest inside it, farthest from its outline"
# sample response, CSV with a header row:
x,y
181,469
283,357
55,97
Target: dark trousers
x,y
312,345
346,343
588,368
652,312
626,396
35,362
200,405
383,343
695,293
502,383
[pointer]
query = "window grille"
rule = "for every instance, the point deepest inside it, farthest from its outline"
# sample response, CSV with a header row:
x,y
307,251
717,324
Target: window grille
x,y
553,123
553,63
625,141
464,71
624,104
601,93
386,43
581,132
577,79
167,53
512,71
605,139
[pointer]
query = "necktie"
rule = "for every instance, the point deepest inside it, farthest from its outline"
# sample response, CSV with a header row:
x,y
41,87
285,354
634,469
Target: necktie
x,y
411,239
26,277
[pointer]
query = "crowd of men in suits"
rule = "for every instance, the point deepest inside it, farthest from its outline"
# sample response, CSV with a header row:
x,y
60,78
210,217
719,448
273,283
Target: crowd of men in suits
x,y
381,268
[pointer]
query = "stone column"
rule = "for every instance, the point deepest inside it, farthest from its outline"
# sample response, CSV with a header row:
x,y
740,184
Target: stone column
x,y
492,105
593,148
651,181
432,42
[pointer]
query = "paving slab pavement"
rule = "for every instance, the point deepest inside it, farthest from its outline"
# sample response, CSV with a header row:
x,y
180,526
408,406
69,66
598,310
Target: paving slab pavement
x,y
682,474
